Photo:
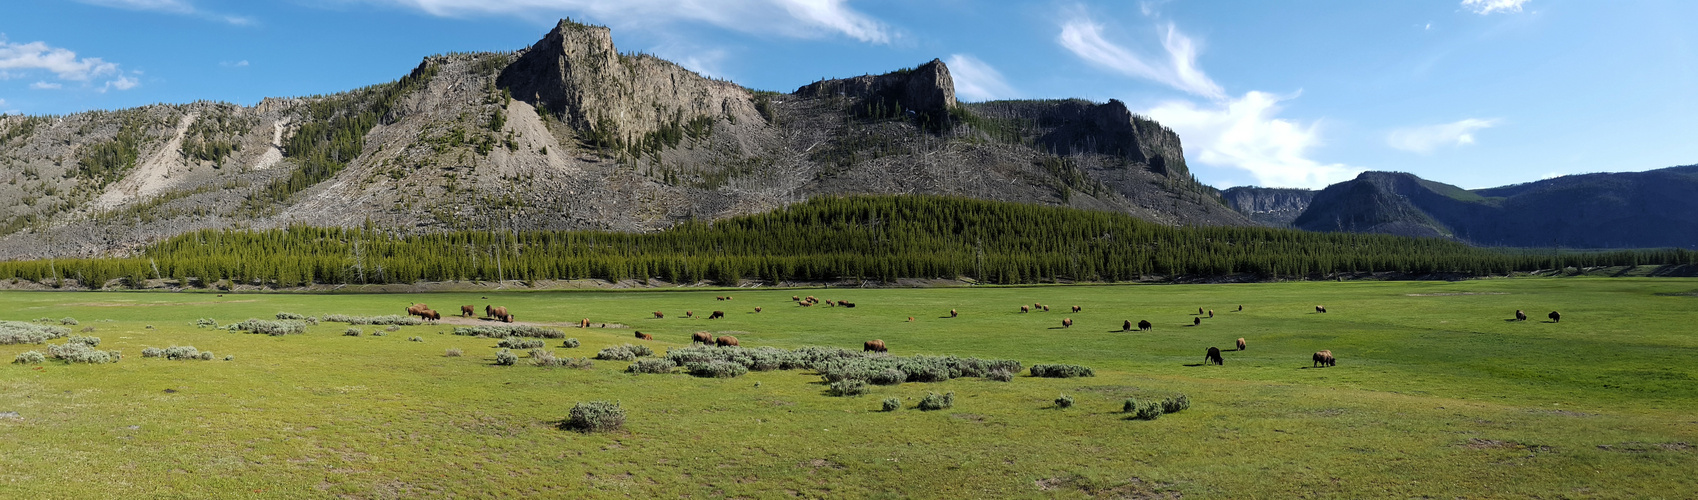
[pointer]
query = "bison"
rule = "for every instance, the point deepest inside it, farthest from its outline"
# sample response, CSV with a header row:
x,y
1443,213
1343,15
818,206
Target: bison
x,y
1144,325
1213,356
794,298
1240,308
489,311
846,303
1555,318
757,308
1067,322
1199,311
644,336
874,346
1323,358
467,311
1127,326
703,337
725,341
659,315
716,315
805,304
507,318
417,310
498,312
1025,309
1320,309
689,314
910,319
1075,308
952,313
430,314
1240,343
1197,321
1520,316
584,323
719,298
1211,313
1046,308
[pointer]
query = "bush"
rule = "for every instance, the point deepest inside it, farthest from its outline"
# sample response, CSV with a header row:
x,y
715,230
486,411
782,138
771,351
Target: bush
x,y
377,333
518,343
206,356
69,321
1064,401
374,320
1142,410
847,388
415,338
273,328
1061,371
570,344
89,341
30,358
935,401
541,357
1000,375
392,328
152,352
77,352
230,358
88,329
506,358
500,331
890,376
289,315
206,323
1176,404
352,332
454,353
18,332
717,369
179,353
625,352
652,365
596,416
892,404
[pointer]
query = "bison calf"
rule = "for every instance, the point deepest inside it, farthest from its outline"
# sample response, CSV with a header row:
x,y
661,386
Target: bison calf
x,y
1213,357
874,346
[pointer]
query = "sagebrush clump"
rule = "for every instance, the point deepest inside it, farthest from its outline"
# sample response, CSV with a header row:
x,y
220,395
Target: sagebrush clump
x,y
30,358
717,369
843,388
892,404
506,358
18,332
1061,371
374,320
273,328
935,401
1176,404
290,315
206,323
652,365
68,321
570,344
454,353
1064,401
595,416
352,332
78,352
519,343
415,338
625,352
501,331
1142,410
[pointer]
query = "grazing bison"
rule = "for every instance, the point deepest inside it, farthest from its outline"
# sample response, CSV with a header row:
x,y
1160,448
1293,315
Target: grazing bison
x,y
1211,313
498,312
811,298
1076,308
1555,318
507,318
1144,325
1036,305
429,314
1196,321
1240,343
417,310
874,346
805,304
910,319
757,308
488,311
952,313
1025,309
1067,322
689,314
659,315
1127,326
1046,308
584,323
830,303
1320,309
1240,308
716,315
727,297
846,303
718,298
1323,358
467,311
794,298
725,341
1199,311
703,337
1213,356
1520,316
644,336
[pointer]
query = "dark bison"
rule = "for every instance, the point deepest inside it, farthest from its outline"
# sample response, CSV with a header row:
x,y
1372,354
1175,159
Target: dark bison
x,y
1520,316
874,346
644,336
725,341
1211,313
1213,356
689,314
1197,321
719,298
488,311
1144,325
1555,318
1127,326
716,315
659,315
757,308
1199,311
1320,309
1067,322
703,337
584,323
1240,343
952,313
846,303
1076,308
1025,309
1324,358
1240,308
467,311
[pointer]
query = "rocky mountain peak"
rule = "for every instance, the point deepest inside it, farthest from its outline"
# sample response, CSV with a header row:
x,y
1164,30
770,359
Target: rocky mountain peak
x,y
927,91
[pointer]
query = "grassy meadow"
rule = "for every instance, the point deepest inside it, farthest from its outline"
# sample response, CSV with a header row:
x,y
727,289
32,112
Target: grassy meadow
x,y
1437,393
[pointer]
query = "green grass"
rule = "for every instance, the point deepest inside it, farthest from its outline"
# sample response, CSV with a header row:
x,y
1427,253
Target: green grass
x,y
1435,395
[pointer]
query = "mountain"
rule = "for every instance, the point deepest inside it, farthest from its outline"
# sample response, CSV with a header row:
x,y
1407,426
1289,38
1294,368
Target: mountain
x,y
1273,207
1614,210
567,134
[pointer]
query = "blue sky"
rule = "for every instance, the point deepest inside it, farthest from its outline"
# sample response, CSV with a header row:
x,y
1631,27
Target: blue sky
x,y
1476,93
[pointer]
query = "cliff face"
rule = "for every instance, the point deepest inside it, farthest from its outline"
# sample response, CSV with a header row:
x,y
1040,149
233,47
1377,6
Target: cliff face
x,y
1275,207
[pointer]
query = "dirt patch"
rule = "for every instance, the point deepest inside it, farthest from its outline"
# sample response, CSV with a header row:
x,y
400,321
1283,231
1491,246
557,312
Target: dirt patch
x,y
970,417
1638,447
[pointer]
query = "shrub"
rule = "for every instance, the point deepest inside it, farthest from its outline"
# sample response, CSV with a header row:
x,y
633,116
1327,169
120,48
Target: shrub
x,y
30,357
89,341
229,357
206,323
892,404
506,358
935,401
415,338
717,369
180,352
374,320
1142,410
890,376
540,357
392,328
352,332
1064,401
1061,371
596,416
273,328
206,356
1000,375
18,332
77,352
847,388
652,365
377,333
289,315
454,352
88,329
499,331
579,363
570,344
152,352
1176,404
70,321
625,352
518,343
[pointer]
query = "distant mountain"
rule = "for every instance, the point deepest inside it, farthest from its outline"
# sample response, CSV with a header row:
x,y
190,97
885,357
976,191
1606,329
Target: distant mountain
x,y
1658,208
568,134
1274,207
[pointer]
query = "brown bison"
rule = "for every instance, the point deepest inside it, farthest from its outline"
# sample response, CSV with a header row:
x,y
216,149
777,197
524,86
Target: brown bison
x,y
794,298
727,297
430,314
507,318
1555,318
417,310
1323,358
1127,326
498,312
830,303
1025,309
805,304
718,298
846,303
1197,321
725,341
584,323
952,313
488,311
1067,322
1144,325
644,336
811,298
910,319
1240,343
703,337
1036,305
757,308
689,314
1520,316
1213,356
659,315
467,311
1199,311
716,315
1046,308
1075,308
1211,313
874,346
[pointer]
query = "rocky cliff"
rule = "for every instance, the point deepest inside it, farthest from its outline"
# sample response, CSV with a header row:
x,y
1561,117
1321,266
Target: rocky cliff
x,y
1274,207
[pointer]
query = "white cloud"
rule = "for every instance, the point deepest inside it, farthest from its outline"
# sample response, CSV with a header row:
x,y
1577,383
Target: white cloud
x,y
1427,138
977,81
1084,38
1244,133
238,64
182,7
1484,7
45,86
790,18
62,62
122,83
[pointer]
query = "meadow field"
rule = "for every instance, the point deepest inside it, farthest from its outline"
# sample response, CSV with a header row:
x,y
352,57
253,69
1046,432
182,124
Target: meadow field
x,y
1438,392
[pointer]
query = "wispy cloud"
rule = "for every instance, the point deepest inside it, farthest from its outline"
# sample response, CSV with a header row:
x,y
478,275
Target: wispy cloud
x,y
1244,133
59,61
238,64
122,83
1484,7
1085,39
46,86
1425,139
180,7
977,81
788,18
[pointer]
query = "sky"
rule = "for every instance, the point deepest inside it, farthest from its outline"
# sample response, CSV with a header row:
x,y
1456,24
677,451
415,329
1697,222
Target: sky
x,y
1476,93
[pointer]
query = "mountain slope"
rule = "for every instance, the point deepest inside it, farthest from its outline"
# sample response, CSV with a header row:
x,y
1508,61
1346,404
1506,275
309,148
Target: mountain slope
x,y
568,134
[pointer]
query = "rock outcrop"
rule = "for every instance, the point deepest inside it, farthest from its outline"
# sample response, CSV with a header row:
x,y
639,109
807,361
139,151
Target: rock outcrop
x,y
1274,207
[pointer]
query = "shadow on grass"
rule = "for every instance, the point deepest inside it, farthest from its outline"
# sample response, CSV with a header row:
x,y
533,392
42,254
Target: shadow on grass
x,y
1195,364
